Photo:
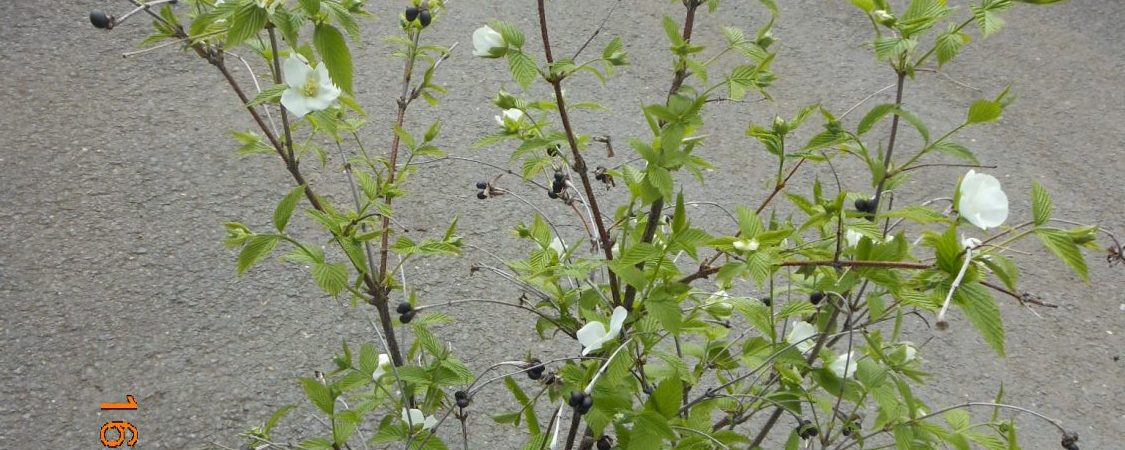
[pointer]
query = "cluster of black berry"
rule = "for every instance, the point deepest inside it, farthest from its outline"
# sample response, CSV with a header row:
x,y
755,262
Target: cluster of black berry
x,y
1070,441
485,189
581,402
866,206
806,430
406,312
601,175
421,14
558,185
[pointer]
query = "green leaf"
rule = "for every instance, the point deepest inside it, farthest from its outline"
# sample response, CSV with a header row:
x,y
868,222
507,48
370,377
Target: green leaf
x,y
523,68
1060,243
269,95
333,278
1040,203
659,178
1003,268
667,397
983,111
337,58
955,150
873,117
893,47
949,43
247,21
255,250
980,308
285,208
320,395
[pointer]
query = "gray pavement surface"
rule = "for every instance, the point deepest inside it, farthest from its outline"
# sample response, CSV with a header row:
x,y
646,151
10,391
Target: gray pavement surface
x,y
117,174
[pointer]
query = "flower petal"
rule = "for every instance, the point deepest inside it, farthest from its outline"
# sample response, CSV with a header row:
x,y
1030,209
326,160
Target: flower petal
x,y
295,103
616,321
800,335
591,336
844,366
295,71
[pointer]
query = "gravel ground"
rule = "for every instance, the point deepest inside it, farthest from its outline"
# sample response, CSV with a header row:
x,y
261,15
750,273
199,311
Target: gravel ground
x,y
118,173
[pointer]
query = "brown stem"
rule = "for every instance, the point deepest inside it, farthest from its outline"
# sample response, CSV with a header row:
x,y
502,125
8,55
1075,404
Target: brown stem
x,y
655,211
575,421
891,141
277,80
579,164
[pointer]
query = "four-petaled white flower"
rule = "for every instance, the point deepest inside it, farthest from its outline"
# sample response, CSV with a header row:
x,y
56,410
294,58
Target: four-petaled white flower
x,y
982,202
509,118
309,89
488,43
382,368
844,366
594,334
746,245
269,5
853,237
416,418
801,335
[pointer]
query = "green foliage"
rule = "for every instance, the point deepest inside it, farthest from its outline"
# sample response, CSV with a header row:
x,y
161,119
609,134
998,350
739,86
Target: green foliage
x,y
825,285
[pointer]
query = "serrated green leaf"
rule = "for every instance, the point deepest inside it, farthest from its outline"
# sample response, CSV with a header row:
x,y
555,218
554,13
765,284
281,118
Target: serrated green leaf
x,y
333,50
255,250
522,67
873,117
333,278
1060,243
1003,268
285,208
247,21
320,395
981,310
269,95
955,150
1040,203
983,111
667,397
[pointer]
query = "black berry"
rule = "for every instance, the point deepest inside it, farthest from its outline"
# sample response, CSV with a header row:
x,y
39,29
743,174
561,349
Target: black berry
x,y
767,301
404,308
481,195
576,398
406,317
482,184
587,403
865,205
605,442
425,18
101,20
816,297
559,176
552,194
535,369
557,186
462,399
1070,441
806,430
411,14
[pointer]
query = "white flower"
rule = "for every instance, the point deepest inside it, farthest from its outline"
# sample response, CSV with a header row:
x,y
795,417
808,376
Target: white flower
x,y
982,201
269,5
801,335
382,368
488,43
746,245
909,352
853,237
970,242
510,118
418,419
594,334
844,366
309,89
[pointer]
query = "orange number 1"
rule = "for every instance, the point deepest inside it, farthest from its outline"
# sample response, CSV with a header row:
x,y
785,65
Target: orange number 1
x,y
130,403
